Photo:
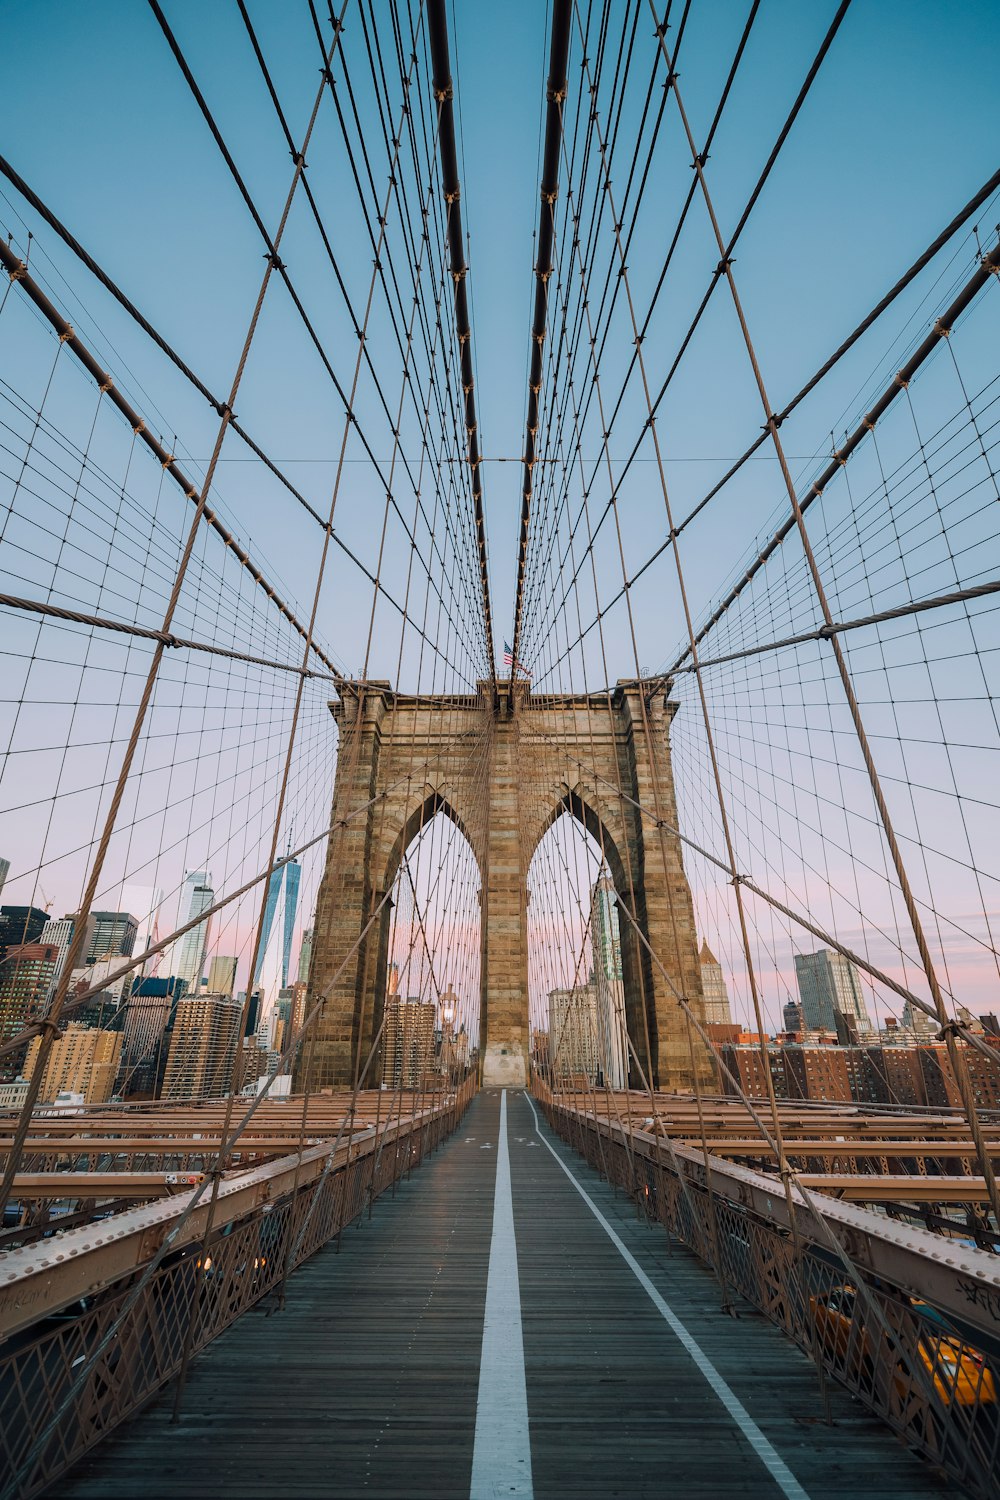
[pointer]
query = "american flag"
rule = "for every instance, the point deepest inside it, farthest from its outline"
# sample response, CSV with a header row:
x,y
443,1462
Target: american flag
x,y
508,661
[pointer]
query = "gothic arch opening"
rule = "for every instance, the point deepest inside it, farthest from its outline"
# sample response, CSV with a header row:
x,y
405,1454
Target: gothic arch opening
x,y
481,769
586,992
427,808
427,981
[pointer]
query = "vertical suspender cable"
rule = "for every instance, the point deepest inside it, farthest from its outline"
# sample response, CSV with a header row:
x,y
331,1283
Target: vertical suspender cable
x,y
437,27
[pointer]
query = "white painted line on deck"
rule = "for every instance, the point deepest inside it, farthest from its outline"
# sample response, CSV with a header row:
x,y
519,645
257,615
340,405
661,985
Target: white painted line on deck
x,y
768,1455
501,1458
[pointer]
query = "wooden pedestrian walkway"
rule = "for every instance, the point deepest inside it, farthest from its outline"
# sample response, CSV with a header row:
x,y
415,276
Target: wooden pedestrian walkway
x,y
607,1367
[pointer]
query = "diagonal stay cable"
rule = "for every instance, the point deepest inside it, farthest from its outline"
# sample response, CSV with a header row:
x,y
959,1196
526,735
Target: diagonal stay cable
x,y
11,1044
719,271
279,265
988,266
746,883
18,273
50,1026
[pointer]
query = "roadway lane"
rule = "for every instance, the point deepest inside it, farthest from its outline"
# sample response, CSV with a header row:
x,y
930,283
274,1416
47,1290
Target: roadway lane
x,y
617,1404
365,1385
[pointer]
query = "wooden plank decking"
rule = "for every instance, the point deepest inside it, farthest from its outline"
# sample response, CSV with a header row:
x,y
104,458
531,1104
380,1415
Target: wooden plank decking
x,y
366,1383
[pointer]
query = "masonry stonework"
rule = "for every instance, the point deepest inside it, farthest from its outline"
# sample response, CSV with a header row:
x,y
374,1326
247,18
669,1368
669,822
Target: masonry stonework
x,y
504,767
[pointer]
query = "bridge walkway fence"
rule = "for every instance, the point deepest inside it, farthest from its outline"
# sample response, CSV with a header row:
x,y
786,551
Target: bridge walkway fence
x,y
506,1324
936,1388
245,1261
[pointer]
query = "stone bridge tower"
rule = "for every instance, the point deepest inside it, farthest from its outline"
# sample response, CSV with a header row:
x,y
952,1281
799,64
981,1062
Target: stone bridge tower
x,y
504,767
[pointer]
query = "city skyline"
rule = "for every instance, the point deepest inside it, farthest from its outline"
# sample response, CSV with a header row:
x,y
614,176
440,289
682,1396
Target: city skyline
x,y
606,949
187,959
829,985
273,966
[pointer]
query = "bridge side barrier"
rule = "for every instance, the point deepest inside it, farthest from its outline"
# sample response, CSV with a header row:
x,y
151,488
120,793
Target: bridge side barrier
x,y
244,1261
936,1386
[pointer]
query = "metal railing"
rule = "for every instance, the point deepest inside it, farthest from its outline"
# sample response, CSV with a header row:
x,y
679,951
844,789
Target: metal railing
x,y
906,1361
246,1259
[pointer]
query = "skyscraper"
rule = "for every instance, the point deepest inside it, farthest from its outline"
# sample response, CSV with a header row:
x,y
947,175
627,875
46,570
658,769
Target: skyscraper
x,y
305,956
202,1047
146,1019
111,934
605,939
82,1061
188,953
573,1033
828,982
408,1042
4,872
792,1017
60,935
713,988
25,978
221,975
21,924
275,953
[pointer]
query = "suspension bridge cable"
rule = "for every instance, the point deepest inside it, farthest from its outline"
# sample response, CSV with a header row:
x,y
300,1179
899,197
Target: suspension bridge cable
x,y
728,249
451,189
17,271
214,401
555,94
278,264
75,950
955,1055
987,268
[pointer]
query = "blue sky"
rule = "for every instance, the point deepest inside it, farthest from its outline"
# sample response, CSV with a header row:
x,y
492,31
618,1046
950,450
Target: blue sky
x,y
894,137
